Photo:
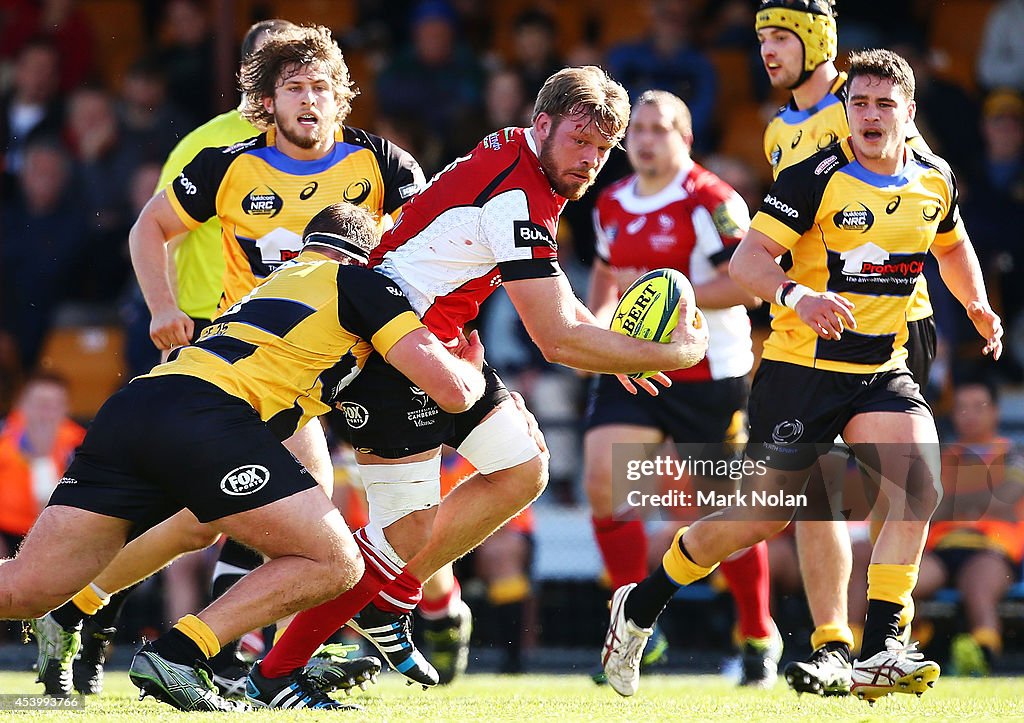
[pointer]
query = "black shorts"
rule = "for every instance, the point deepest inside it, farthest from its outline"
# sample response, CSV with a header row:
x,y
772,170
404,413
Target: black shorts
x,y
198,326
796,412
387,415
688,412
166,443
954,558
921,349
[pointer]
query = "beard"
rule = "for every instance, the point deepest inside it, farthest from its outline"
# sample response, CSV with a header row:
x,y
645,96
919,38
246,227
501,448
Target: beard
x,y
302,141
572,190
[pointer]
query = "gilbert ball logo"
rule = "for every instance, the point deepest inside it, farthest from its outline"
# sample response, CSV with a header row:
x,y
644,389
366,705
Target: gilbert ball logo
x,y
245,480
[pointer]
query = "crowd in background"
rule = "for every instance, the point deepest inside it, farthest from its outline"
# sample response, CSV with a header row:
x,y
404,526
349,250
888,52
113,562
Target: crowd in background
x,y
81,148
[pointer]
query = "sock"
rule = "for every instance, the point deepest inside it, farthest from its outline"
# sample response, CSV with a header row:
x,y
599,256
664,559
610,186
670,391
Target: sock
x,y
623,546
881,624
889,592
907,614
832,633
110,614
678,564
508,590
188,641
85,603
646,601
200,633
839,647
444,606
401,595
748,579
309,629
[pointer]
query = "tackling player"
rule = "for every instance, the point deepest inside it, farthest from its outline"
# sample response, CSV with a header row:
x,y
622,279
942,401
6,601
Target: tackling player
x,y
858,217
673,213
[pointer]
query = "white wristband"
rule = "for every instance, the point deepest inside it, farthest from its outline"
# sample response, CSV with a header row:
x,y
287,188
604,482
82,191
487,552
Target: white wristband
x,y
798,292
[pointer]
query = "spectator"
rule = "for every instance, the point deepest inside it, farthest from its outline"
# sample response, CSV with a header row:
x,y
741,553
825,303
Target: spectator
x,y
58,22
42,231
505,105
535,55
976,540
187,57
152,124
1001,55
437,79
37,442
31,108
104,166
666,60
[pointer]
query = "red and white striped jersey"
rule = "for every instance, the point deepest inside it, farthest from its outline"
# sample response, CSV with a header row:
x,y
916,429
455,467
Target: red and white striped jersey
x,y
692,225
487,217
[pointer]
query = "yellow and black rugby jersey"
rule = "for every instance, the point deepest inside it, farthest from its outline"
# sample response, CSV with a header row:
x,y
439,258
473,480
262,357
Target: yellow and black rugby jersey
x,y
295,341
264,199
794,134
861,235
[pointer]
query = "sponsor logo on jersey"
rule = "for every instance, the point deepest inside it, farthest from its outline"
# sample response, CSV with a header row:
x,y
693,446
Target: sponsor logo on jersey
x,y
245,480
529,234
783,207
870,269
426,411
776,155
666,222
356,415
796,138
788,431
235,147
827,165
408,190
890,208
308,191
357,191
726,214
190,188
394,290
634,226
262,203
67,481
419,396
493,141
826,140
930,216
854,217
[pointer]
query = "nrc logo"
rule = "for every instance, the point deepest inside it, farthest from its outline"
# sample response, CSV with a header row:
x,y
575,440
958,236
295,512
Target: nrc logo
x,y
245,480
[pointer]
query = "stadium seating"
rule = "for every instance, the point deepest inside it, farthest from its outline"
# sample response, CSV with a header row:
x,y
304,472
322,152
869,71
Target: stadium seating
x,y
956,31
91,358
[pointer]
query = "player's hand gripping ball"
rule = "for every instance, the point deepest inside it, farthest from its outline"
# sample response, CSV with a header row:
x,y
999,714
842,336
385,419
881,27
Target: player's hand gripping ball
x,y
649,308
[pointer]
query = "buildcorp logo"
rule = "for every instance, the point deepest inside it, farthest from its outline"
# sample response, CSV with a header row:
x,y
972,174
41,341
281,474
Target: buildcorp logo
x,y
245,480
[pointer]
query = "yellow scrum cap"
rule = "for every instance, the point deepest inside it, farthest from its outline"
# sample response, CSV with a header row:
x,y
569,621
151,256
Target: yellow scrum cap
x,y
810,20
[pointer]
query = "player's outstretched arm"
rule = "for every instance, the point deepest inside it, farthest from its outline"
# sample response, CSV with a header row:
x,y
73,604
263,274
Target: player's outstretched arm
x,y
550,313
454,382
156,225
962,274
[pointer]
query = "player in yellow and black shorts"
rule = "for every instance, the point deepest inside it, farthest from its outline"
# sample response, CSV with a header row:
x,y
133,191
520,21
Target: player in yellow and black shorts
x,y
798,48
201,434
858,218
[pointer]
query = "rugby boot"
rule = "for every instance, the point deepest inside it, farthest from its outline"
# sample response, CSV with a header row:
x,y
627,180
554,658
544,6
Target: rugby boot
x,y
57,649
448,643
826,672
897,669
391,634
87,670
291,691
188,688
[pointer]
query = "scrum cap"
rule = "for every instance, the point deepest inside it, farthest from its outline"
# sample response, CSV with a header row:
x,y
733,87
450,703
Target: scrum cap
x,y
813,21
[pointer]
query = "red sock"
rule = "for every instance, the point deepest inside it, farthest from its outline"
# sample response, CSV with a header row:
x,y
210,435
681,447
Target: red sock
x,y
623,545
401,595
310,629
438,608
748,579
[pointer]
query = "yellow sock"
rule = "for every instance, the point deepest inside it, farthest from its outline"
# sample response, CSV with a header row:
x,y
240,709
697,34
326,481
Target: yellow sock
x,y
89,601
508,590
831,633
681,569
989,638
907,616
199,633
892,583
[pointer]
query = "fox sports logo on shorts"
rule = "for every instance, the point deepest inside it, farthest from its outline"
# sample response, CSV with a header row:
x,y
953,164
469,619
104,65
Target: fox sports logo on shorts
x,y
245,480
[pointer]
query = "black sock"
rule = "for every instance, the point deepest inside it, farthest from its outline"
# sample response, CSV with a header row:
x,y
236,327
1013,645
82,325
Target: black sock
x,y
646,601
510,621
840,647
883,621
69,616
108,615
177,647
238,556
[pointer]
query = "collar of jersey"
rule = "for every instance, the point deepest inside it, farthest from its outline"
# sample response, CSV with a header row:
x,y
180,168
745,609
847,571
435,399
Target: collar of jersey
x,y
674,191
272,155
910,171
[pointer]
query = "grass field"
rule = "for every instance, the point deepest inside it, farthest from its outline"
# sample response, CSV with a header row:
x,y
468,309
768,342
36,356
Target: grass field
x,y
548,697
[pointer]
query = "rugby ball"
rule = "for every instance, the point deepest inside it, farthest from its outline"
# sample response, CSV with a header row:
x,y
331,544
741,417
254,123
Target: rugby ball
x,y
649,308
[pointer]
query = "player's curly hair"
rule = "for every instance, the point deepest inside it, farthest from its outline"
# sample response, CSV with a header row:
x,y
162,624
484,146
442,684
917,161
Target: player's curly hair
x,y
284,54
883,64
586,91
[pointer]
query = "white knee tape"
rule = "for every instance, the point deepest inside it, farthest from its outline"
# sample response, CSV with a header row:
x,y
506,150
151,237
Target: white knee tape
x,y
396,490
501,441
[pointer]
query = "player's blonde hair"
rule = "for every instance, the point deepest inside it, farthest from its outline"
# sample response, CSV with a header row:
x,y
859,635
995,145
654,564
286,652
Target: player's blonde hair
x,y
589,92
285,53
682,121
